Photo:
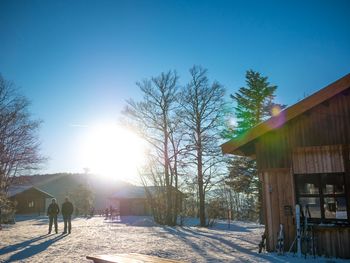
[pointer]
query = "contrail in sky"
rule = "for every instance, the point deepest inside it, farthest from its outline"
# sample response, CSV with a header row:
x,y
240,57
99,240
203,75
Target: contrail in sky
x,y
78,125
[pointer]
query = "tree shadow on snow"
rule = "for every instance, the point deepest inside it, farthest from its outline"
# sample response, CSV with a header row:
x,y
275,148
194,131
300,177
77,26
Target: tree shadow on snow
x,y
186,239
32,249
213,236
186,235
231,227
43,221
36,217
136,221
240,237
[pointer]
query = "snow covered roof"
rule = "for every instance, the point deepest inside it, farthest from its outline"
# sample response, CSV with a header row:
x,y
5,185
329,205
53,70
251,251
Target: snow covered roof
x,y
14,190
134,191
130,192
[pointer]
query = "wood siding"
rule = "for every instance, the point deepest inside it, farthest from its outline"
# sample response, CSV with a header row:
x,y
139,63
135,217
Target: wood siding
x,y
31,195
325,124
332,242
315,142
278,191
133,207
318,159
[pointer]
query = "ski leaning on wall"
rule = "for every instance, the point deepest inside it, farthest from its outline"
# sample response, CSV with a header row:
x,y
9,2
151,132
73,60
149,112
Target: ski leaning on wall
x,y
280,241
308,244
304,233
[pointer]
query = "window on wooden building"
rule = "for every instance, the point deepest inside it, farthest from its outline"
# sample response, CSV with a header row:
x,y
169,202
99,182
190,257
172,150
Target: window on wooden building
x,y
325,196
31,204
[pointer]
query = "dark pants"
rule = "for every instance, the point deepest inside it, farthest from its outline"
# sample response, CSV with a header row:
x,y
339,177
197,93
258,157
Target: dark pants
x,y
53,219
67,221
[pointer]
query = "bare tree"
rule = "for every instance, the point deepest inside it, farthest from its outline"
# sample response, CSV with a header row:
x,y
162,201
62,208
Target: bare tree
x,y
19,144
203,108
178,151
153,118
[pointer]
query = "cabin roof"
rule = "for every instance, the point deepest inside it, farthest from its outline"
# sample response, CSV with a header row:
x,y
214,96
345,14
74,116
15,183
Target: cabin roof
x,y
234,145
136,192
130,192
15,190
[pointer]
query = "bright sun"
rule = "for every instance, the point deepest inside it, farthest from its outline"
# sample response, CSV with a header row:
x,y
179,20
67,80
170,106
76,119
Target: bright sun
x,y
113,152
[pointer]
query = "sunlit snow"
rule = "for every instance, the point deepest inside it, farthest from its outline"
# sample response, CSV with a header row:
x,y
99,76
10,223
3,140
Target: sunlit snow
x,y
26,241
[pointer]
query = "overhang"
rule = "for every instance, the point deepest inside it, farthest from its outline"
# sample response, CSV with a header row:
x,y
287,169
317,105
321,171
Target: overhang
x,y
235,146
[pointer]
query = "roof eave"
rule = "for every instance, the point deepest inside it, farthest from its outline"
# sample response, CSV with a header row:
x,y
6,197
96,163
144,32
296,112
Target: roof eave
x,y
233,146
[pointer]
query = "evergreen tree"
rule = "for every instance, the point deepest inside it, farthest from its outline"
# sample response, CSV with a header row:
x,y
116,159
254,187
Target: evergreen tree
x,y
83,199
254,104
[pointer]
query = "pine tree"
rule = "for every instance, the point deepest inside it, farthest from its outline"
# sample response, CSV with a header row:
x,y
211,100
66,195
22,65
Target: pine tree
x,y
83,199
254,104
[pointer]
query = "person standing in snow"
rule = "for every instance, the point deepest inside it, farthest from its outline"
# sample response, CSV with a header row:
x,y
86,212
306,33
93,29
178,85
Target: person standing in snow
x,y
67,211
52,212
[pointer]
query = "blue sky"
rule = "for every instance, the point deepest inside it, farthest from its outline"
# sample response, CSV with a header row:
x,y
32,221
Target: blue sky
x,y
78,61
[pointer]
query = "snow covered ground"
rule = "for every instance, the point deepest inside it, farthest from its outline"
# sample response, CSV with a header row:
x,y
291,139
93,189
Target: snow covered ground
x,y
27,241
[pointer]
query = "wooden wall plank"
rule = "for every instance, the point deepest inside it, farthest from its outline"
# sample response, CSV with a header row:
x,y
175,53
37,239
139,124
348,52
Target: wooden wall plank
x,y
278,180
318,159
275,204
291,201
268,209
327,161
309,143
322,125
333,242
279,194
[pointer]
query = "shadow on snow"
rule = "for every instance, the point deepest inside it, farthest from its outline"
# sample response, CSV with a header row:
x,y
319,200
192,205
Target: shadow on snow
x,y
30,250
187,236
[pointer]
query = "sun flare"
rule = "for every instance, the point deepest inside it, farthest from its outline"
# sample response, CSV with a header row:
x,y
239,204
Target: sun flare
x,y
113,152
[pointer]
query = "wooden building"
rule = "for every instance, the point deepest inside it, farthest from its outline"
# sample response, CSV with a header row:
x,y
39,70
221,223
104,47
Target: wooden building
x,y
303,157
130,200
61,185
29,199
135,200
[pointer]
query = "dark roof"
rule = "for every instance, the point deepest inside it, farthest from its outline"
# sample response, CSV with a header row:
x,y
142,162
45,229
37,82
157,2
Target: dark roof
x,y
130,192
34,179
233,146
61,185
15,190
135,191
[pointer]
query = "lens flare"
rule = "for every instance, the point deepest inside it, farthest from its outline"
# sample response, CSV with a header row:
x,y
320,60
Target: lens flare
x,y
278,117
276,110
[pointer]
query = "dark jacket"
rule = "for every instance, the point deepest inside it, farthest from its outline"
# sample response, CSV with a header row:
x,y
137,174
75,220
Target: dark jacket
x,y
67,208
53,210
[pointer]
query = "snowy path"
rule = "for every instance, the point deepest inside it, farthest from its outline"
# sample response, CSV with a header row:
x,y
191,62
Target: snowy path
x,y
26,242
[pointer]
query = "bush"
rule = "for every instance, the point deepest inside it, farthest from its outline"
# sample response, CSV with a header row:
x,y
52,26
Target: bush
x,y
7,211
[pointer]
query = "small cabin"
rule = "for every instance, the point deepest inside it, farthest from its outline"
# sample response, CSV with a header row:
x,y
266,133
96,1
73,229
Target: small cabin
x,y
29,199
130,200
303,157
135,200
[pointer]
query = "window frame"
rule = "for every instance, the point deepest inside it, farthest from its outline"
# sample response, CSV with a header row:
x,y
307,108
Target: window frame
x,y
321,196
31,204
